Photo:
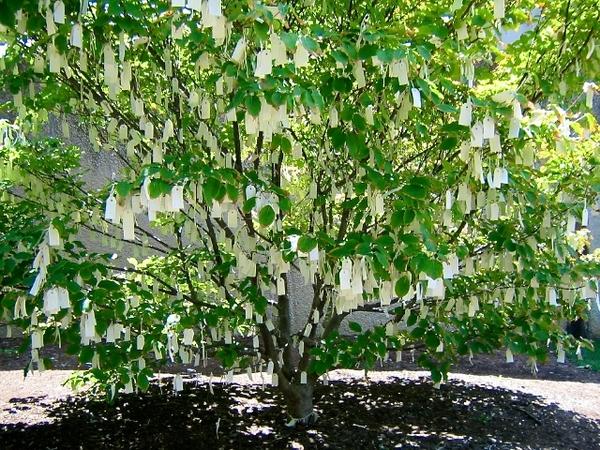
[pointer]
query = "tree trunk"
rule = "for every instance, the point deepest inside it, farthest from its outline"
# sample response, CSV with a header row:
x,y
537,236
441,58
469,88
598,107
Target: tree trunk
x,y
299,402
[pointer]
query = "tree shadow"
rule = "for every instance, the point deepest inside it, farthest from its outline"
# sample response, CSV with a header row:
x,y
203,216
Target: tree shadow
x,y
399,414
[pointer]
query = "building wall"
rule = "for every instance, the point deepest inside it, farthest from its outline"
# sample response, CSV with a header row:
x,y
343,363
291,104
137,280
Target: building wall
x,y
594,226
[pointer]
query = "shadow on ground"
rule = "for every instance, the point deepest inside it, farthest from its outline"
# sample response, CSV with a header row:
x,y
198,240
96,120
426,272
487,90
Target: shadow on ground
x,y
354,415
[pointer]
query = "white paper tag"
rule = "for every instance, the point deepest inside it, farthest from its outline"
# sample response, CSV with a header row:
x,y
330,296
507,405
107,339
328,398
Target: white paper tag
x,y
139,342
509,356
359,74
188,336
585,217
465,116
128,225
239,52
194,5
53,237
301,56
264,64
462,32
499,8
489,127
477,135
495,145
416,96
214,8
403,72
59,12
77,36
110,210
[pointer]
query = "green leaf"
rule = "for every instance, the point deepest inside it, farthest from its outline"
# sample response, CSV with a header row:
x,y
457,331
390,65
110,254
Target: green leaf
x,y
402,286
289,39
262,30
356,146
306,243
432,268
143,382
109,285
355,326
448,143
340,57
232,192
266,216
252,102
123,188
309,43
158,187
86,354
367,51
249,205
285,204
432,340
417,333
415,191
447,108
211,188
436,375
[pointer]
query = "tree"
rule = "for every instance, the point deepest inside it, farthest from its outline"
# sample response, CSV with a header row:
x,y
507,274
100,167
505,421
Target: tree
x,y
400,155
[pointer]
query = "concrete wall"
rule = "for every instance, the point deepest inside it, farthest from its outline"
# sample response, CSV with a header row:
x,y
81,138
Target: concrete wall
x,y
594,227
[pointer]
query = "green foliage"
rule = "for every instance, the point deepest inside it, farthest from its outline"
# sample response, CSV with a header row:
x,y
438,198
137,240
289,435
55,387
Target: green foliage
x,y
423,167
590,357
266,215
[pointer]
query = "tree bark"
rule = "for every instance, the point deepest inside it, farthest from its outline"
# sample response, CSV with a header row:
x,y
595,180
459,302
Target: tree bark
x,y
299,403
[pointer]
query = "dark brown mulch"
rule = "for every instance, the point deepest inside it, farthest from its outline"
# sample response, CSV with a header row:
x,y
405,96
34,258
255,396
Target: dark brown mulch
x,y
356,415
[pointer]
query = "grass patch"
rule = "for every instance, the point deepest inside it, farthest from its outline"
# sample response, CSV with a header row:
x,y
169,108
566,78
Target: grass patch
x,y
591,358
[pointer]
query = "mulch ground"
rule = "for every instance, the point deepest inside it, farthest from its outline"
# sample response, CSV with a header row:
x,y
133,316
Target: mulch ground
x,y
396,413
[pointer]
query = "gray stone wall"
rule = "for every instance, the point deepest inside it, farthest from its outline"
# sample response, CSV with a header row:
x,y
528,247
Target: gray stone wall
x,y
594,227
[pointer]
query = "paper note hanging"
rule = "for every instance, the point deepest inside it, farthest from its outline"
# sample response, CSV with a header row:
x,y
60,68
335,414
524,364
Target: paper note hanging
x,y
264,64
177,202
489,127
239,52
462,32
588,89
59,12
499,8
194,5
465,116
110,210
77,36
403,72
53,237
214,8
128,225
416,96
301,56
359,74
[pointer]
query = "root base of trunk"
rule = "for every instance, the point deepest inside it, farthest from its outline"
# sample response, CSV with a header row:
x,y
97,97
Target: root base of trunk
x,y
307,421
